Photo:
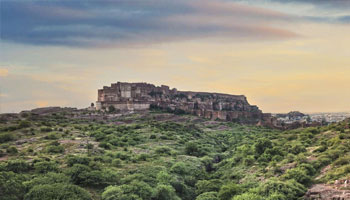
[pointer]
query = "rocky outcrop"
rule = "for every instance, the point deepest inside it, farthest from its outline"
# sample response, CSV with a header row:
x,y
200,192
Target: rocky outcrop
x,y
340,190
143,96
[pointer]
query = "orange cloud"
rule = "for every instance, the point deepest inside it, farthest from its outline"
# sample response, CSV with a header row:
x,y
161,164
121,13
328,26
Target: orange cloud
x,y
4,72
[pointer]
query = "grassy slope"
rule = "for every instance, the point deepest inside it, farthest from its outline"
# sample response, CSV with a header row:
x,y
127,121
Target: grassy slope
x,y
164,156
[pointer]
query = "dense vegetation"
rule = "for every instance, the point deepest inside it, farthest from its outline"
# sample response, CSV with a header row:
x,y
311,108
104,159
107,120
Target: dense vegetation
x,y
160,156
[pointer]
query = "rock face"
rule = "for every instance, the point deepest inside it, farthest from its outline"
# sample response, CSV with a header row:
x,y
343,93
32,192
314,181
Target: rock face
x,y
338,191
144,96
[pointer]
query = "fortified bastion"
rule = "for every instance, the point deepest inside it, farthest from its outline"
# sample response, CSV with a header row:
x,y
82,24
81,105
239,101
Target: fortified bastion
x,y
143,96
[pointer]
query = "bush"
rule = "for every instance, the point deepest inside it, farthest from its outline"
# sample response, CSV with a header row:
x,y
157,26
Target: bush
x,y
249,160
47,179
261,145
55,149
45,166
45,129
117,162
18,166
105,145
11,186
71,160
134,190
24,124
165,192
248,196
290,189
191,149
342,161
111,109
52,136
208,196
297,148
78,173
152,137
228,191
299,175
57,191
205,186
12,150
6,137
163,150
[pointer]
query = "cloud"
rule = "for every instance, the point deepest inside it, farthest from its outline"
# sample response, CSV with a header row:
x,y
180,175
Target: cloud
x,y
125,23
4,72
330,3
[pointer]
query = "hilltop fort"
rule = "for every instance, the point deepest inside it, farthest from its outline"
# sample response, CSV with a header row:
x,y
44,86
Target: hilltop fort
x,y
123,96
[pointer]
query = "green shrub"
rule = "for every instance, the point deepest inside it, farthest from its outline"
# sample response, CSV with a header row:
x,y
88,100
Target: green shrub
x,y
153,137
208,196
12,150
55,149
117,162
18,166
6,137
192,149
135,190
57,191
11,186
47,179
342,161
52,136
45,166
248,196
163,150
298,174
71,160
105,145
229,190
205,186
288,190
165,192
45,129
297,148
261,145
24,124
249,160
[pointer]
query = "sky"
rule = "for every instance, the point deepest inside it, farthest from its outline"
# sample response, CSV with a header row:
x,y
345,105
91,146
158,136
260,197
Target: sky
x,y
283,55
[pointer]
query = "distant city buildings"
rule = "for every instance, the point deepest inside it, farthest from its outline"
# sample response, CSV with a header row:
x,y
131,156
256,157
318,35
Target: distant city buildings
x,y
323,118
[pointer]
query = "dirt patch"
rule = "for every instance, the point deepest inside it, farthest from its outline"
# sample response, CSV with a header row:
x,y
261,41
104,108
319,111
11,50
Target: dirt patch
x,y
288,166
4,158
323,172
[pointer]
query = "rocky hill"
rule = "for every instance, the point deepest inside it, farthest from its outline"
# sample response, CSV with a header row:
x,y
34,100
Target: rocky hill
x,y
144,96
